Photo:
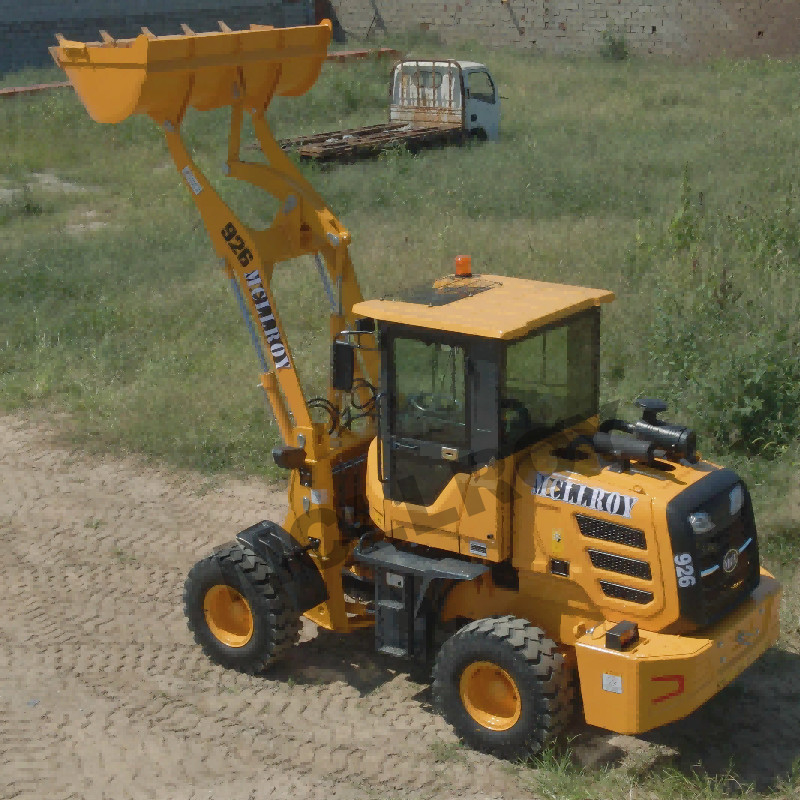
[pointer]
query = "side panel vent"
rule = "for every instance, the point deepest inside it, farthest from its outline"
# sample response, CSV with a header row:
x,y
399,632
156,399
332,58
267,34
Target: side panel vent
x,y
626,566
559,567
626,593
611,532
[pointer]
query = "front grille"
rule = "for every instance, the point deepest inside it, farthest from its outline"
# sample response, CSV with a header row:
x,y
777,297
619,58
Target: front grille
x,y
626,566
724,561
626,593
720,588
711,548
600,529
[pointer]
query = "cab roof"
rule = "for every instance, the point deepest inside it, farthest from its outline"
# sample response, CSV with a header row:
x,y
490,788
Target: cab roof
x,y
491,306
441,62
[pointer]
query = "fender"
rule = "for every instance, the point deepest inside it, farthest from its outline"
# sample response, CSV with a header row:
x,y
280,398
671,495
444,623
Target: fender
x,y
286,558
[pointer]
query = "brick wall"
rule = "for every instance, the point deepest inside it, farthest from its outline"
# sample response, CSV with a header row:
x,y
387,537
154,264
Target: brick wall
x,y
28,28
687,28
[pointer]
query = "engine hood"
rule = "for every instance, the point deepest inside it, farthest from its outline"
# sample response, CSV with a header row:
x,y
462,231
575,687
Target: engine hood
x,y
618,534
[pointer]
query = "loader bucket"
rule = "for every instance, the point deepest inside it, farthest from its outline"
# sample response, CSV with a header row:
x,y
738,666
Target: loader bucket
x,y
164,75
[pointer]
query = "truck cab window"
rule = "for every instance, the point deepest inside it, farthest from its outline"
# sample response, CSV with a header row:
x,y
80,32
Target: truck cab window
x,y
430,391
426,79
550,381
481,87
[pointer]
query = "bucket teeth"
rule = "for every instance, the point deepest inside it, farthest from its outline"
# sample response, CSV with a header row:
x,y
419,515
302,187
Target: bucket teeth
x,y
162,76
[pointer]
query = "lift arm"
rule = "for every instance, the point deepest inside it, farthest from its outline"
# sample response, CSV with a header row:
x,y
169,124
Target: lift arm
x,y
163,77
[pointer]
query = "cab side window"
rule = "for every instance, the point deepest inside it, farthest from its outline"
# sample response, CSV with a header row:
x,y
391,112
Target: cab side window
x,y
550,381
481,87
430,391
427,80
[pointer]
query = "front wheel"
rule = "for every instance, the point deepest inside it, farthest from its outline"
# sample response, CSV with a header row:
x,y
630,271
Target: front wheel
x,y
503,686
238,610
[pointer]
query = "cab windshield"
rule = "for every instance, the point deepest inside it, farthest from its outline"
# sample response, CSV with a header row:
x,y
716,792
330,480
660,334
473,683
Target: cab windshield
x,y
550,381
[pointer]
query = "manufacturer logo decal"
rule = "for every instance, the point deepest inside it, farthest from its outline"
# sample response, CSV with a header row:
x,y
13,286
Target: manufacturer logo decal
x,y
730,561
265,316
565,490
267,319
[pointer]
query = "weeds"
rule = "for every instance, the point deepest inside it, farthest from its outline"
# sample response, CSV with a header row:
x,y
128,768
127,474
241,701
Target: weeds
x,y
698,785
124,558
718,345
556,774
131,330
22,203
684,227
615,43
781,546
448,751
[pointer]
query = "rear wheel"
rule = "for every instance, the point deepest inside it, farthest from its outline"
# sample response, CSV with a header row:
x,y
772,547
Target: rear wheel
x,y
238,610
503,686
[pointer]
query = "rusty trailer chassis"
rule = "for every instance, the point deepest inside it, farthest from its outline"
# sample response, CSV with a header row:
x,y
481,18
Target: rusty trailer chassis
x,y
372,139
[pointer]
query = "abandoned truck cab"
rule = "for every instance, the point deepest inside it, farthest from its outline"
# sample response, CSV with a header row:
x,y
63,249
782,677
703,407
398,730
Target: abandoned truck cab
x,y
446,92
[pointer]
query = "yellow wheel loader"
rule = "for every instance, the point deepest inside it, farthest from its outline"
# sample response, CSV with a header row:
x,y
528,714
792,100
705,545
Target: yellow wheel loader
x,y
455,489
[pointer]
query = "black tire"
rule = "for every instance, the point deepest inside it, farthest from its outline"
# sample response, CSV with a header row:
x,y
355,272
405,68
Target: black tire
x,y
535,690
272,626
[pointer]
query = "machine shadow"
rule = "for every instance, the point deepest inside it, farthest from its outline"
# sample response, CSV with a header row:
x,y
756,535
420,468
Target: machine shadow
x,y
351,658
748,733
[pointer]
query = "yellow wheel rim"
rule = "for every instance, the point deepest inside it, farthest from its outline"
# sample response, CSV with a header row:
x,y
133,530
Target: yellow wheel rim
x,y
228,615
490,696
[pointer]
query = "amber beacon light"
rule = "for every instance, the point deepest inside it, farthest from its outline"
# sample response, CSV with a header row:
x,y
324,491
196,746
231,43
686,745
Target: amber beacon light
x,y
463,266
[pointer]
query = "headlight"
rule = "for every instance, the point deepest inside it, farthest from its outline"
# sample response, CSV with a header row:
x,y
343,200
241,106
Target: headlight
x,y
736,498
701,522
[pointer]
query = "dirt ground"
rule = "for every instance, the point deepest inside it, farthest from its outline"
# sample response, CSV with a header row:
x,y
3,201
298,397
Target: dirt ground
x,y
103,693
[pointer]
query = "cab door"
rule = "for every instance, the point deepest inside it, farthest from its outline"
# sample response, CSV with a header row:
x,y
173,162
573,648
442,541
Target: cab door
x,y
482,110
439,426
429,430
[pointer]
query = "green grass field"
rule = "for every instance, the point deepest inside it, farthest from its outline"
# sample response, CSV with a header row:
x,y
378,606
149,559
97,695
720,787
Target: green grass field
x,y
675,186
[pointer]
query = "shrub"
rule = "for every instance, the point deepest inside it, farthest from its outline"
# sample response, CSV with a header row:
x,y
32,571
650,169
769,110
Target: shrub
x,y
724,333
615,43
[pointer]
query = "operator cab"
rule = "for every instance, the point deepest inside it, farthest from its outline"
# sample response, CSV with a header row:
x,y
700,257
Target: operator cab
x,y
476,368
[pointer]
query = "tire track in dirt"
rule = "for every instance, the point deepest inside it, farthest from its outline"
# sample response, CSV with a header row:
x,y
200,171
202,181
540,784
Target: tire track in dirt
x,y
103,693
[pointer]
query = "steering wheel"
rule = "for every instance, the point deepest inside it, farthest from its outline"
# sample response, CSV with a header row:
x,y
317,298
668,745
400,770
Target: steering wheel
x,y
524,416
516,405
422,402
431,404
